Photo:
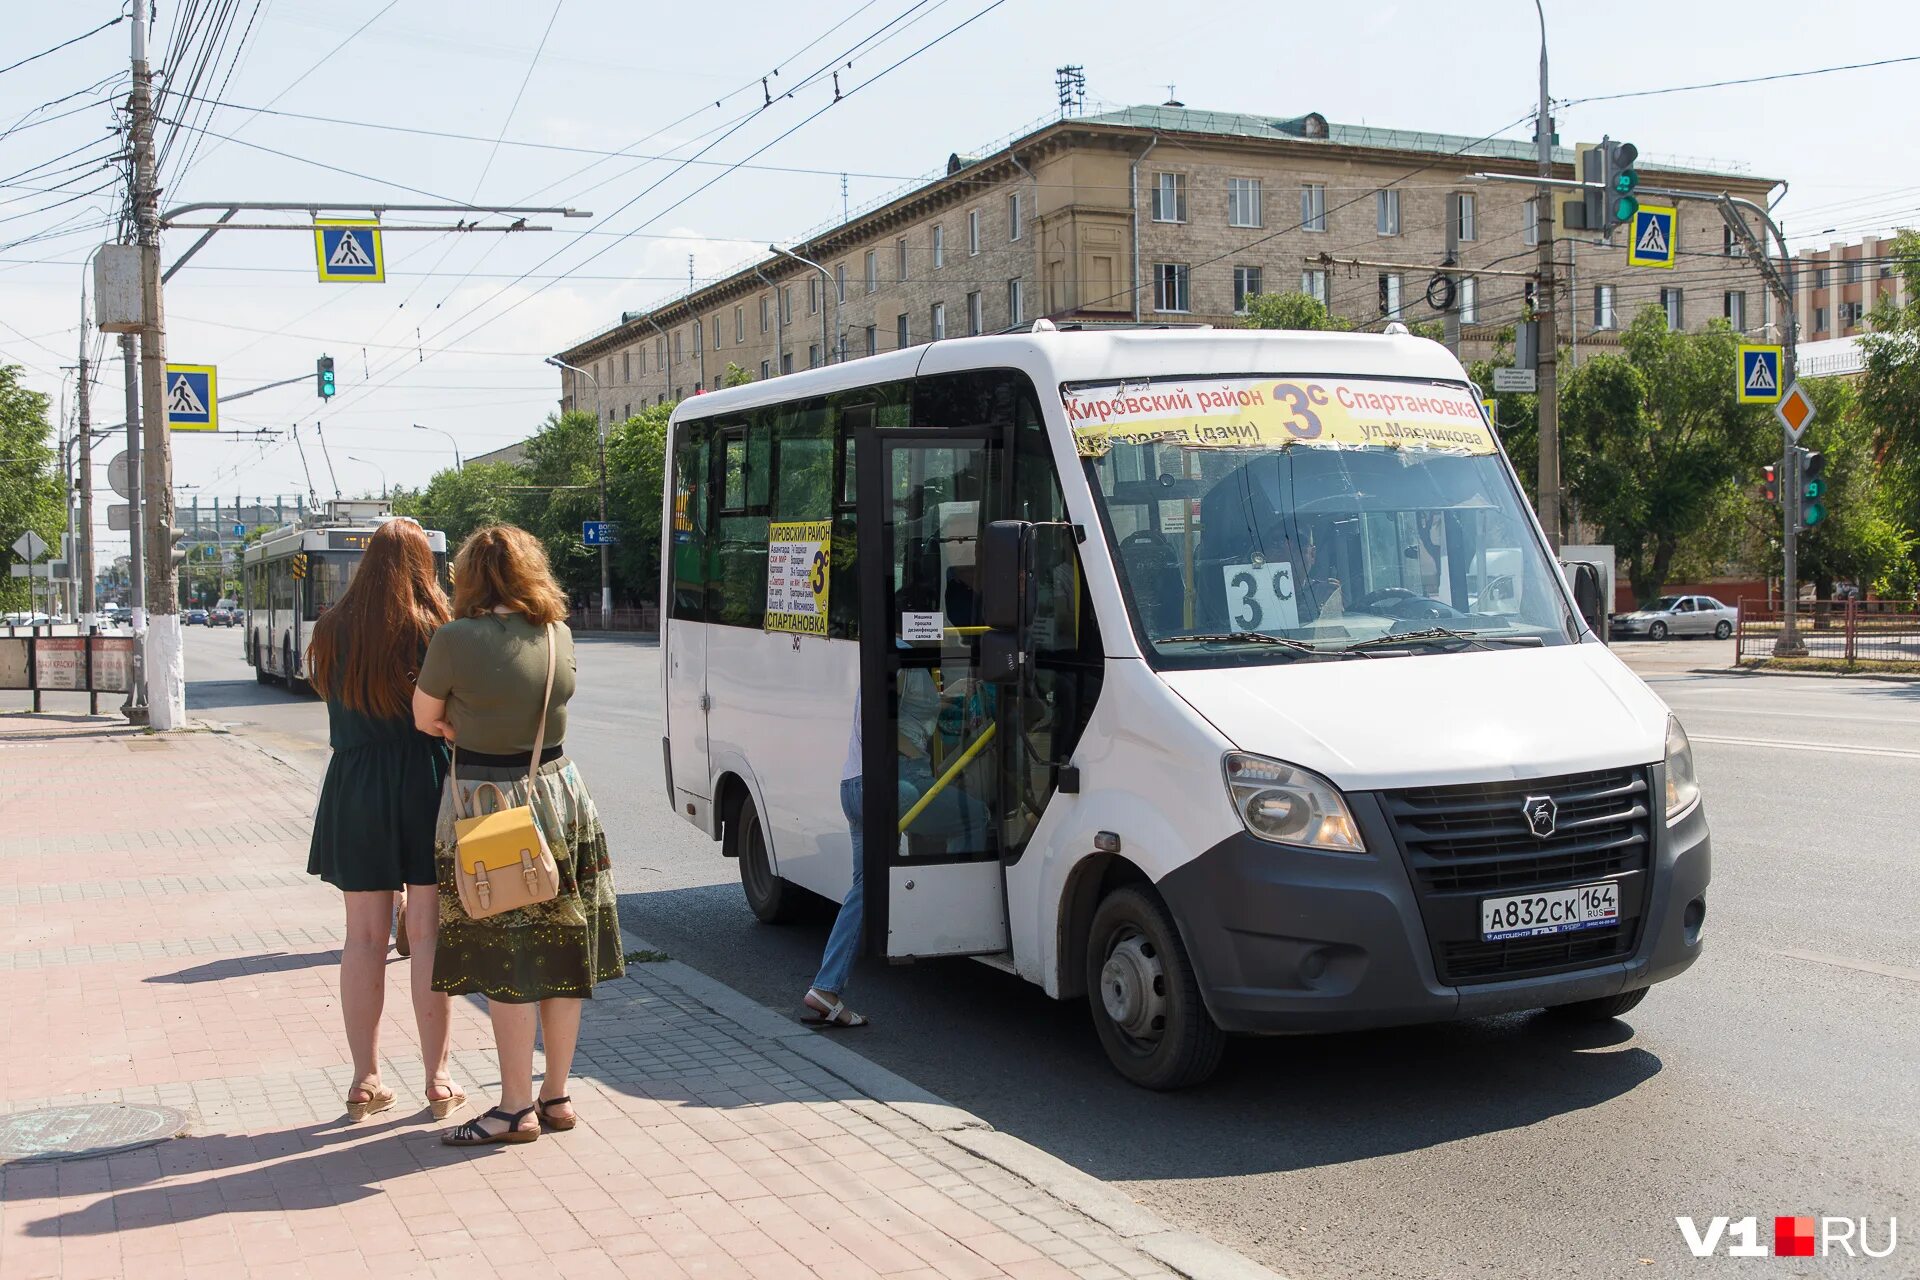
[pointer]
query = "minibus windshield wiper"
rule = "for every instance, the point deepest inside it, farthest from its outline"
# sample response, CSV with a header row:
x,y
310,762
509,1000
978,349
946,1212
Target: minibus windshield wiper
x,y
1241,637
1439,635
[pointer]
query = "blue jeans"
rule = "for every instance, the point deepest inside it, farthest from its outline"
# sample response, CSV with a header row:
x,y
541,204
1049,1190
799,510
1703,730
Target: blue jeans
x,y
952,812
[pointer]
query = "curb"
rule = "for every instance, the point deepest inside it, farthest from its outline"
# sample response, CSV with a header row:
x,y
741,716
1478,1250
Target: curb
x,y
1188,1253
1883,677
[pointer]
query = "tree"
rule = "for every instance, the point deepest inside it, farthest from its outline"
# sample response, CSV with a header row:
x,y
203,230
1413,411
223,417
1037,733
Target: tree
x,y
1291,311
457,502
636,472
563,472
1889,402
1866,538
1653,441
30,495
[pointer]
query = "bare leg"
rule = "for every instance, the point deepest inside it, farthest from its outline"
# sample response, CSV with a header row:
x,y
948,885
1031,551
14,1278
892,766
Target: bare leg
x,y
513,1030
363,982
560,1032
431,1009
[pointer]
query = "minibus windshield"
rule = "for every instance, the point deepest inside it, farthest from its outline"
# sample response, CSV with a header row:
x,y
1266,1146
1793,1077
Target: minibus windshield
x,y
1261,520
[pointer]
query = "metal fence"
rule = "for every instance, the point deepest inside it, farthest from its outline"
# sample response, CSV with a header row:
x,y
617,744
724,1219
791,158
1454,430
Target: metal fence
x,y
63,658
1840,630
644,619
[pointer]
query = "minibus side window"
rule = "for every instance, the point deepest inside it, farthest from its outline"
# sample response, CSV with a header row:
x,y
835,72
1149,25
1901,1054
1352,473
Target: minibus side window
x,y
739,585
843,601
688,540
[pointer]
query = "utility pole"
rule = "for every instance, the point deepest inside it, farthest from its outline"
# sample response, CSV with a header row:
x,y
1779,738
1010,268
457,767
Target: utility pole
x,y
135,707
165,668
83,550
1545,312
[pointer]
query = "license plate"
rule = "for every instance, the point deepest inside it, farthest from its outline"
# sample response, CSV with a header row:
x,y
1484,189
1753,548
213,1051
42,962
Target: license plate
x,y
1528,915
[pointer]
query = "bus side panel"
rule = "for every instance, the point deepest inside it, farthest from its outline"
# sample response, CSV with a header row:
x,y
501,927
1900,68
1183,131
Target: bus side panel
x,y
784,705
685,661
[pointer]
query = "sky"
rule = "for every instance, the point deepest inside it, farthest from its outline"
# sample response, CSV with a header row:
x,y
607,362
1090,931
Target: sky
x,y
454,340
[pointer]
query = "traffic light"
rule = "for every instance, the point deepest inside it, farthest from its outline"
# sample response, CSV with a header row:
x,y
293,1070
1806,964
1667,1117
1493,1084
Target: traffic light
x,y
1813,487
323,377
1770,483
173,541
1586,210
1619,182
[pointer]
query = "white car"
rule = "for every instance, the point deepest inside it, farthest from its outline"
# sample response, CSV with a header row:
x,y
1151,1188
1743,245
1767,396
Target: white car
x,y
1678,616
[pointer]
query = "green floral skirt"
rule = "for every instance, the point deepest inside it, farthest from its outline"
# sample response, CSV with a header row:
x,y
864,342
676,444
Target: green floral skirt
x,y
557,948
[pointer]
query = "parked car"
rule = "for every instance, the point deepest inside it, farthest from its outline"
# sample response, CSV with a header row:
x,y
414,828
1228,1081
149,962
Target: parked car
x,y
1678,616
196,618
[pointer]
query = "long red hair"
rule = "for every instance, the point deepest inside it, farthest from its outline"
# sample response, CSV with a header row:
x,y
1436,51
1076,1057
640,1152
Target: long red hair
x,y
366,649
505,566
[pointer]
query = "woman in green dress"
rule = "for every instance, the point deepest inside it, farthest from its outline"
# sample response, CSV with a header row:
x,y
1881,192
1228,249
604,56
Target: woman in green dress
x,y
481,687
373,830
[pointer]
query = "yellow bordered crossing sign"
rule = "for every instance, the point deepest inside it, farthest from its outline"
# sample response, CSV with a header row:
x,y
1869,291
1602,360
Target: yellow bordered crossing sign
x,y
1760,368
348,250
1653,239
193,397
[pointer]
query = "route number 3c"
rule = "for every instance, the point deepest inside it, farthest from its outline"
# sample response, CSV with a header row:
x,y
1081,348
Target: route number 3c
x,y
1260,597
1302,422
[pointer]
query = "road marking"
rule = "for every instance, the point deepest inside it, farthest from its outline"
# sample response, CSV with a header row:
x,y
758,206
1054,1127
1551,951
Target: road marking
x,y
1807,746
1864,966
1903,722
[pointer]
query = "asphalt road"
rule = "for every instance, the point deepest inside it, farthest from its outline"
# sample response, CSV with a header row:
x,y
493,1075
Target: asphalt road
x,y
1779,1076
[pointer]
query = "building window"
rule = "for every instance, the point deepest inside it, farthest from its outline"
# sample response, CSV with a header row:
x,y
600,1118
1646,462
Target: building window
x,y
764,308
1730,244
873,340
973,232
840,347
739,325
1169,197
1313,206
813,296
1243,202
1819,277
1853,271
1734,308
786,362
1013,216
1386,212
1603,306
766,370
900,258
678,353
626,368
1672,302
1314,285
1246,283
939,247
642,353
813,355
1852,314
939,321
627,412
873,271
1016,302
696,336
1170,286
973,313
1390,293
1463,210
786,304
715,329
902,340
1531,229
1819,319
1468,305
839,282
660,354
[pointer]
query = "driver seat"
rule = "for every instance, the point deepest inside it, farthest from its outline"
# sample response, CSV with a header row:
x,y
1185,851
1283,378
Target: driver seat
x,y
1153,570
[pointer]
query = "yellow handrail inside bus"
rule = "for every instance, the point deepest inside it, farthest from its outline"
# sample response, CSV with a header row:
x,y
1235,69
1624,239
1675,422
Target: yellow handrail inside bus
x,y
953,771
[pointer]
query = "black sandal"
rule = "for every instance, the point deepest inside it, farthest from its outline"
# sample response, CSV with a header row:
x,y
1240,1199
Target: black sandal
x,y
559,1124
472,1134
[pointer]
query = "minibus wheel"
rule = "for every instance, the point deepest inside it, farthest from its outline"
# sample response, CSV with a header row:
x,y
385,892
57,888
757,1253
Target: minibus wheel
x,y
1602,1009
1145,996
773,899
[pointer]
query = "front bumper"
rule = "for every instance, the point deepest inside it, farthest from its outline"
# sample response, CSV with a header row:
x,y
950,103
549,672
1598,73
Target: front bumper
x,y
1285,940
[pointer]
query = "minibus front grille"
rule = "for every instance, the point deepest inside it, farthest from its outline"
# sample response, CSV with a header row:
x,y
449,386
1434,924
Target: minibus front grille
x,y
1466,843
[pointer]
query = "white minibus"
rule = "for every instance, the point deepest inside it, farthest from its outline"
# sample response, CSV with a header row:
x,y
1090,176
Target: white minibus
x,y
1223,678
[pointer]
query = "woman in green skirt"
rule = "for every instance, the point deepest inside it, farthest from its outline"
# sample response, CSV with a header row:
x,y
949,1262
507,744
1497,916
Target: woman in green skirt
x,y
373,830
481,688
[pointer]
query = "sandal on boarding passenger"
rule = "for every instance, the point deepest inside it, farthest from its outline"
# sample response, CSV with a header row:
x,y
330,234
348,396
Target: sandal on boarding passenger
x,y
829,1012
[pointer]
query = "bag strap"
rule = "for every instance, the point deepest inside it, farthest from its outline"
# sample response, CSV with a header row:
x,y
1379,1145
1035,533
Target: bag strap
x,y
539,737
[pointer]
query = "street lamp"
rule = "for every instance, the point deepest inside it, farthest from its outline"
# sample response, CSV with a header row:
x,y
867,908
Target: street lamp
x,y
600,429
826,348
457,464
377,467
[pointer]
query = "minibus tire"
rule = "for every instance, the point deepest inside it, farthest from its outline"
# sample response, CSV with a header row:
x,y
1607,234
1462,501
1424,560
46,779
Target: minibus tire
x,y
1188,1045
772,899
1602,1009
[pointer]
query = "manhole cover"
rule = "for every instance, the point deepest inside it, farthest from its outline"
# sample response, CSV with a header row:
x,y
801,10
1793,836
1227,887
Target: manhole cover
x,y
76,1133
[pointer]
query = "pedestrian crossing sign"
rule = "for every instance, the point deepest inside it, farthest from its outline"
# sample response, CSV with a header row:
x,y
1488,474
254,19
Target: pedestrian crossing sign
x,y
1653,239
1760,375
348,250
193,398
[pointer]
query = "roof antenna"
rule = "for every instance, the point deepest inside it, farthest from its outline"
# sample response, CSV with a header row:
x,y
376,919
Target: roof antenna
x,y
1171,100
1070,86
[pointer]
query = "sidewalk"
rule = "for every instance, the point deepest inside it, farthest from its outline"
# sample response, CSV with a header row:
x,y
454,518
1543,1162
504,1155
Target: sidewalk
x,y
166,949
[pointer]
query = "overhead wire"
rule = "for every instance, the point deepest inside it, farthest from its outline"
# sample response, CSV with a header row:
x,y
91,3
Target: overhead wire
x,y
63,44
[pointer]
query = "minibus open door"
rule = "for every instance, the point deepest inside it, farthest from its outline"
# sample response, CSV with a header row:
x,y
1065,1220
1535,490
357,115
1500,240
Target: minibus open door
x,y
932,818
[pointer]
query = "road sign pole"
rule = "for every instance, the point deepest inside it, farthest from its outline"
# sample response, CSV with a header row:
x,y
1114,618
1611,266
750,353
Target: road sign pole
x,y
1546,312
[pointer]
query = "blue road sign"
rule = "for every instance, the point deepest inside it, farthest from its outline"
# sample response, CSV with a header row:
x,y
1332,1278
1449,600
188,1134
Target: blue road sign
x,y
193,402
239,531
1760,375
1652,244
349,250
599,533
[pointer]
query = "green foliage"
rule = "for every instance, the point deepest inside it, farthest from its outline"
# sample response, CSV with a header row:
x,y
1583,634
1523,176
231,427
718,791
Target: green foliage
x,y
636,470
1868,537
1889,403
459,501
1290,311
30,495
735,376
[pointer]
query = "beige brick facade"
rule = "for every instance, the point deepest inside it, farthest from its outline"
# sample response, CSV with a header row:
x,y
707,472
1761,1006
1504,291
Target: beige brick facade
x,y
1049,226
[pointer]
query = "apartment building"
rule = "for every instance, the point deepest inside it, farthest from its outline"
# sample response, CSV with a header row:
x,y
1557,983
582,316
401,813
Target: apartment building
x,y
1839,286
1169,214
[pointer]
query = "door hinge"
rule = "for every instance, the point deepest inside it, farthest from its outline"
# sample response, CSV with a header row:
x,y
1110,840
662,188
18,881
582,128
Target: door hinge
x,y
706,702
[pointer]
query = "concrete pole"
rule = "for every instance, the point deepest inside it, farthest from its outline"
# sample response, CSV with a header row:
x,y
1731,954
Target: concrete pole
x,y
135,707
1545,312
88,604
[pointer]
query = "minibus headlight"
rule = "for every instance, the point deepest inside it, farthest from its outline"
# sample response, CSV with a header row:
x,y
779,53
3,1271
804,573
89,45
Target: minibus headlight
x,y
1287,805
1683,787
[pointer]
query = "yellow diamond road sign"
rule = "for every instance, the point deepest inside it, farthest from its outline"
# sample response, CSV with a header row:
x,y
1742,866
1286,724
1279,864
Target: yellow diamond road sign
x,y
1795,411
348,250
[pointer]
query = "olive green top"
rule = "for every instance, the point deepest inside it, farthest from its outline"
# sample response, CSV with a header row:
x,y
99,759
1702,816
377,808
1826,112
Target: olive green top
x,y
492,670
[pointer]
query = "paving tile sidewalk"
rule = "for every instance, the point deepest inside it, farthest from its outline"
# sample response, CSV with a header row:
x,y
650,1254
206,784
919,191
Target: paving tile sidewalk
x,y
161,944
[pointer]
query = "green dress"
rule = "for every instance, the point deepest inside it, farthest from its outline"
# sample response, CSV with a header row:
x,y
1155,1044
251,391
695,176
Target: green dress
x,y
373,829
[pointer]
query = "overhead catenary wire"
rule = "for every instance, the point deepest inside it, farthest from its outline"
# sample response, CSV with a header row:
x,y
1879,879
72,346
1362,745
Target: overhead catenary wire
x,y
63,44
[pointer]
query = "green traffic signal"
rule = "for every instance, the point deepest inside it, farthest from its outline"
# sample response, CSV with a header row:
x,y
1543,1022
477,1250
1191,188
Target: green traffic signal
x,y
1811,514
1624,208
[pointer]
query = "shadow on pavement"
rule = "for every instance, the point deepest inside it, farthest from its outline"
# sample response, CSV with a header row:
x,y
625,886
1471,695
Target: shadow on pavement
x,y
243,966
207,695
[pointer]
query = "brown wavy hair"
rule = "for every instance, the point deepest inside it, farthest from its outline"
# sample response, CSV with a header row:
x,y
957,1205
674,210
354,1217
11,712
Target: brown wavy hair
x,y
366,649
503,566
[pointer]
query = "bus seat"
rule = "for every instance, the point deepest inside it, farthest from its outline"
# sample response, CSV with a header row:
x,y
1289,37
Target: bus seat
x,y
1154,572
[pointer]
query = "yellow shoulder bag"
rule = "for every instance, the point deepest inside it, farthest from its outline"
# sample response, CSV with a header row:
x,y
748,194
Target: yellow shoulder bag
x,y
501,861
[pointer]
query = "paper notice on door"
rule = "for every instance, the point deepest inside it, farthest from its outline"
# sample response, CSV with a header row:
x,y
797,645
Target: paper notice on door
x,y
798,555
922,626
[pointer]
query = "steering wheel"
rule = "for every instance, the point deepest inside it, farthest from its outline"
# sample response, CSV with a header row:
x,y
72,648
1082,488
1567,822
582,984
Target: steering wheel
x,y
1398,602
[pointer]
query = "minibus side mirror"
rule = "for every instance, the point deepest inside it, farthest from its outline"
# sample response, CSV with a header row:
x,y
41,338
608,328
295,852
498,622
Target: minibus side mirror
x,y
1003,574
1588,597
